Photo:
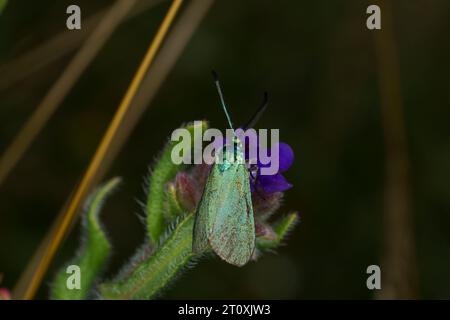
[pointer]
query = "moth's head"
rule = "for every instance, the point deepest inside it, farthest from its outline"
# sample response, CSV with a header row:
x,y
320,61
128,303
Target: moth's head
x,y
231,153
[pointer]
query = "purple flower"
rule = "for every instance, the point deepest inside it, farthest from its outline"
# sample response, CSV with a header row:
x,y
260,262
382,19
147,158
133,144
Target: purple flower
x,y
267,190
266,183
276,182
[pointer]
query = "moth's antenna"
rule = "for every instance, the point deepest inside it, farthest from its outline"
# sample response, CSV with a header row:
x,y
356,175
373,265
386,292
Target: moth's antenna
x,y
222,101
258,112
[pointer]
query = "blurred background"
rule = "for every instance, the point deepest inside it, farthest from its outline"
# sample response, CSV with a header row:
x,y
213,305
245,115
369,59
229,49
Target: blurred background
x,y
366,112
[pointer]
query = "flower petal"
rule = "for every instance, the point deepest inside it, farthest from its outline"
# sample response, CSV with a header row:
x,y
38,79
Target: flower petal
x,y
286,156
274,183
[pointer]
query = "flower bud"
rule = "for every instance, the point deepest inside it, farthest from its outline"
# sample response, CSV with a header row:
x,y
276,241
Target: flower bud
x,y
187,191
265,231
264,205
5,294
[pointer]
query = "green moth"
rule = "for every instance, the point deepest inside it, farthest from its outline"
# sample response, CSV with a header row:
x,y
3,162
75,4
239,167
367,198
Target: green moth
x,y
224,219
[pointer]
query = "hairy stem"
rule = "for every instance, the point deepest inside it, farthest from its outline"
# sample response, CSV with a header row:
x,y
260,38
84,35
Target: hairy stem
x,y
153,274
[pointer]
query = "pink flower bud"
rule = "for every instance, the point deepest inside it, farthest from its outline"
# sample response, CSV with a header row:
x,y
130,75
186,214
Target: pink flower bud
x,y
186,190
264,231
5,294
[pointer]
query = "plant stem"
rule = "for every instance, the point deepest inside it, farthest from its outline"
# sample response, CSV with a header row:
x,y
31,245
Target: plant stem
x,y
96,162
399,261
149,277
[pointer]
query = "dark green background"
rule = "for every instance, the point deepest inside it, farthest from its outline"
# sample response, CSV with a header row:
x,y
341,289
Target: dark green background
x,y
317,60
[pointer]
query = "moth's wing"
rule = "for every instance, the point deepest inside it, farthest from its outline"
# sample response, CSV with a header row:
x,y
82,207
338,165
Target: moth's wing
x,y
232,228
201,225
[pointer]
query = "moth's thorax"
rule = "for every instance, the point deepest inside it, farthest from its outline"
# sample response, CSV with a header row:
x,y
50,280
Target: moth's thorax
x,y
229,155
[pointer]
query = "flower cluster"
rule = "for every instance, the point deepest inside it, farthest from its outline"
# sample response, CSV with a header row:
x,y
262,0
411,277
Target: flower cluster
x,y
267,190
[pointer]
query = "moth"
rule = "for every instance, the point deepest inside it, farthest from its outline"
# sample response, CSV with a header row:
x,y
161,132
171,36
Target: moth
x,y
224,219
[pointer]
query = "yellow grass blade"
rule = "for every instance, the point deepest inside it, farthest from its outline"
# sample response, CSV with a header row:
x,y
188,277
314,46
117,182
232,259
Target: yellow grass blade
x,y
168,55
172,48
86,182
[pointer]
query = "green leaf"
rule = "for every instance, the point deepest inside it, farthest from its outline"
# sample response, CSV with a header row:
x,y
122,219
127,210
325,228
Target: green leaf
x,y
163,171
282,228
3,5
93,252
146,277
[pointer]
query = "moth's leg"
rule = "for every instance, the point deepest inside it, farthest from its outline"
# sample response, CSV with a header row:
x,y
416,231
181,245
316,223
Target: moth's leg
x,y
255,184
252,171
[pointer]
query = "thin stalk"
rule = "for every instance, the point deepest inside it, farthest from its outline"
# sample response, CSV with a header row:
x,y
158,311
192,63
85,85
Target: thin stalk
x,y
173,46
178,38
399,280
97,160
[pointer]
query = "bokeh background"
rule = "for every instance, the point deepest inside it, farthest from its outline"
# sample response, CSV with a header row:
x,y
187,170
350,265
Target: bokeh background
x,y
321,67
